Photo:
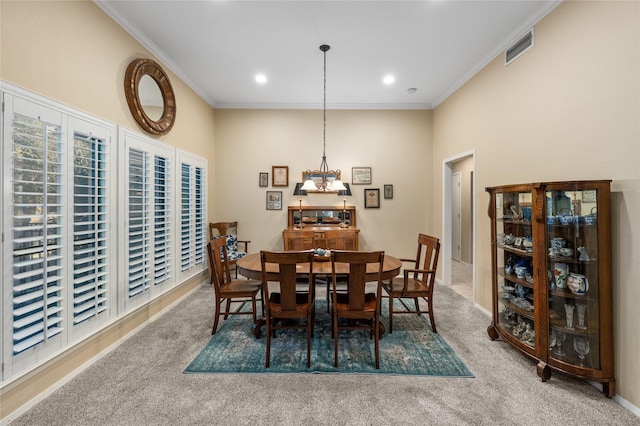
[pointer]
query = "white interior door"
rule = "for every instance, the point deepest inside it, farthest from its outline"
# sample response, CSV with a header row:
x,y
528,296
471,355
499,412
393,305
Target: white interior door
x,y
456,215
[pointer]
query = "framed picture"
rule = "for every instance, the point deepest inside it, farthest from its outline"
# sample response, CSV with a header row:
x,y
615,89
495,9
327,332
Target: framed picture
x,y
388,192
589,196
372,198
274,200
361,175
518,242
264,179
280,175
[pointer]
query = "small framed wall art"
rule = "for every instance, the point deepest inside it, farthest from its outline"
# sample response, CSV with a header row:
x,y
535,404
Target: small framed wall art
x,y
274,200
263,181
372,198
388,192
361,175
280,175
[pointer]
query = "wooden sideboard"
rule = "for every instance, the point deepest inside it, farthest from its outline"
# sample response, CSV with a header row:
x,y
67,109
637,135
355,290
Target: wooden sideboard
x,y
309,237
321,228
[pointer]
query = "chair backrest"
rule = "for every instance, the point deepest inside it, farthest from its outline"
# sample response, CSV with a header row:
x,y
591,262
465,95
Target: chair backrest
x,y
218,264
357,262
427,258
285,275
222,228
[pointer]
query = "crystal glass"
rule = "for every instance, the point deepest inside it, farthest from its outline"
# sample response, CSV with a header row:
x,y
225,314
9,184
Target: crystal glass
x,y
581,309
581,345
552,339
560,337
568,309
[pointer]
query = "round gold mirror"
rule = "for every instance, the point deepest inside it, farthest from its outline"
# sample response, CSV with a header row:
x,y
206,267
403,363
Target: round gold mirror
x,y
150,96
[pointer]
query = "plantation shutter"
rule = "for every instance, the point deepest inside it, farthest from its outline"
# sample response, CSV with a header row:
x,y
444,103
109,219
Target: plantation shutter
x,y
37,231
162,220
139,231
200,216
90,227
187,231
193,214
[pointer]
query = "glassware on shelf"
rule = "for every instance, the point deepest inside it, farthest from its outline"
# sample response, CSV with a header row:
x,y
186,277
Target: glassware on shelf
x,y
581,345
568,310
560,337
581,309
552,339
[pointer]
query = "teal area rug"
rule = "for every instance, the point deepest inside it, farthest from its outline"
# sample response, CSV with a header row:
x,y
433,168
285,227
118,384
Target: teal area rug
x,y
412,349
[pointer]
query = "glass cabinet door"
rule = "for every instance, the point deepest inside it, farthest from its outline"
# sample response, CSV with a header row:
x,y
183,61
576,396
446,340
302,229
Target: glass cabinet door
x,y
515,270
572,263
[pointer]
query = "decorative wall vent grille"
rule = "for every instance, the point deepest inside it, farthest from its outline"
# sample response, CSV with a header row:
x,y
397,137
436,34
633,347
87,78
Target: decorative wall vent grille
x,y
519,47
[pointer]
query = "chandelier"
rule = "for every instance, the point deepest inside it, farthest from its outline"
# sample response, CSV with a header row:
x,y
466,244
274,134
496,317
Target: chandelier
x,y
325,185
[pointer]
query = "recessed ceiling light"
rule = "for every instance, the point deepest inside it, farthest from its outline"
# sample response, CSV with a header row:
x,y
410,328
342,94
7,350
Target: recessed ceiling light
x,y
261,78
389,79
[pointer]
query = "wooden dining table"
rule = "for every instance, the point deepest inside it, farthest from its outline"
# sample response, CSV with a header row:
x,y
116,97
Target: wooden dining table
x,y
249,266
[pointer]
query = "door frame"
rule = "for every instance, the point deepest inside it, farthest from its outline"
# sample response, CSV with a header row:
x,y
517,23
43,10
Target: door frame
x,y
447,171
456,222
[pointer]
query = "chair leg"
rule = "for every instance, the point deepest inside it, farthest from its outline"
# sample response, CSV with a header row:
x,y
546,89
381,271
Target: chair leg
x,y
390,314
262,296
254,310
415,300
226,314
335,340
216,318
376,332
268,355
433,321
309,334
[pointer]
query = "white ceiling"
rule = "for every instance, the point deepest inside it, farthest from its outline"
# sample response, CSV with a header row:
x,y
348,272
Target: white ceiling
x,y
217,47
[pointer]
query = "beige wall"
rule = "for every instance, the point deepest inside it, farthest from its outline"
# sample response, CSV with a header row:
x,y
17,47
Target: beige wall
x,y
569,108
72,52
395,144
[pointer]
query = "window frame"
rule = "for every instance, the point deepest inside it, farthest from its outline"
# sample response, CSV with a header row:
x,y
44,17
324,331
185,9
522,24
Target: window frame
x,y
20,101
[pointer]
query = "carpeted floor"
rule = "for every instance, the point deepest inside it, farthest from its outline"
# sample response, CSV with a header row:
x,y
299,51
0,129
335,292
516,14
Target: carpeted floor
x,y
141,382
411,349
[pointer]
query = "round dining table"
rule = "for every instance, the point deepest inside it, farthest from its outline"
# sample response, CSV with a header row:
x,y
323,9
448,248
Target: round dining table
x,y
249,266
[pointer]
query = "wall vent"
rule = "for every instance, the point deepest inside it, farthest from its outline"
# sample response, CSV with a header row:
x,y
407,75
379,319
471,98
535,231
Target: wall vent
x,y
519,47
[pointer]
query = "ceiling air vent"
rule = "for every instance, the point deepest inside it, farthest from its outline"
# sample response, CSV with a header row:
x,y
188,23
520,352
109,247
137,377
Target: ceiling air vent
x,y
519,47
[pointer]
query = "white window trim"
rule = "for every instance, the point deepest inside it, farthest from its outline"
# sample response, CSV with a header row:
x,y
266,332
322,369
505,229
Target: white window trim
x,y
132,140
184,157
71,120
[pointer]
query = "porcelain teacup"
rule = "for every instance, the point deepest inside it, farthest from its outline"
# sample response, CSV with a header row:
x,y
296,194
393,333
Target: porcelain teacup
x,y
558,243
578,283
520,271
566,252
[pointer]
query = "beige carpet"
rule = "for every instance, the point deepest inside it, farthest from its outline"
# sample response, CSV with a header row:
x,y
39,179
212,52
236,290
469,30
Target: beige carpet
x,y
142,383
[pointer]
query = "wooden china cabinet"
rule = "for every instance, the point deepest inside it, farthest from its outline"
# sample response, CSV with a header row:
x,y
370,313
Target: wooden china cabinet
x,y
321,227
551,276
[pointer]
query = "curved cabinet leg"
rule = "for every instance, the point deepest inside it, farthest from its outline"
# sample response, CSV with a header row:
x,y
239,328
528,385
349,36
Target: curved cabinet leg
x,y
609,389
493,333
544,371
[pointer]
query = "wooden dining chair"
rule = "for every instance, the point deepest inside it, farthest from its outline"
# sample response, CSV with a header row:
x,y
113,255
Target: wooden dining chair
x,y
360,305
226,289
236,249
417,282
286,303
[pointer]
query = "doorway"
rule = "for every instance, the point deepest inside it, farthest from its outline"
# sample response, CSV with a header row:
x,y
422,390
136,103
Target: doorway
x,y
458,215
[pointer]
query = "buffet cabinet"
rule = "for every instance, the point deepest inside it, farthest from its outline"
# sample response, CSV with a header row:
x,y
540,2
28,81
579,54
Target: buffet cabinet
x,y
321,227
551,276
